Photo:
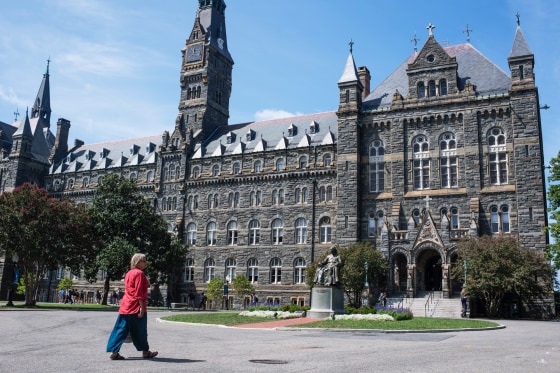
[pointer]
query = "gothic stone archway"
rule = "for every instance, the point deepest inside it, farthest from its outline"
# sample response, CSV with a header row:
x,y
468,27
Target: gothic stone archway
x,y
429,271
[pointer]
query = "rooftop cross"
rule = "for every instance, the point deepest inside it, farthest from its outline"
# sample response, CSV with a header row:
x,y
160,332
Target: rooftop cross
x,y
518,21
351,44
430,28
427,200
468,32
16,114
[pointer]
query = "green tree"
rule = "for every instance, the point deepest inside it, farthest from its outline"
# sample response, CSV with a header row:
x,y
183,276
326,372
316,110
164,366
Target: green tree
x,y
65,283
553,197
498,265
45,233
242,287
353,271
215,291
127,223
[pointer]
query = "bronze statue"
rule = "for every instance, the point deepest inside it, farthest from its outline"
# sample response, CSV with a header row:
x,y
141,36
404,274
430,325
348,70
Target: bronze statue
x,y
327,273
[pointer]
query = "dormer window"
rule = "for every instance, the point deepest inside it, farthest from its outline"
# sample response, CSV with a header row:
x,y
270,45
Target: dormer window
x,y
230,137
313,127
250,135
134,149
150,147
89,155
292,130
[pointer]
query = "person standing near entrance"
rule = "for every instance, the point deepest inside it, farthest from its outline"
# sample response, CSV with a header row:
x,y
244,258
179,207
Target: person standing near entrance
x,y
132,316
463,303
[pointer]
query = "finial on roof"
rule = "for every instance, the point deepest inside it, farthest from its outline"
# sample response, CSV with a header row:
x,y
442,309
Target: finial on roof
x,y
518,17
48,63
351,44
430,28
16,114
468,32
415,40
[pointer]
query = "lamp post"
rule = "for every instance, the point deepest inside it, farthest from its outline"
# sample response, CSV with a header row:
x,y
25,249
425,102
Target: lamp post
x,y
365,293
15,280
465,272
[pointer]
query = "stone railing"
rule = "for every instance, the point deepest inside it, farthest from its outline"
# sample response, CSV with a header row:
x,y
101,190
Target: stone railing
x,y
398,235
457,234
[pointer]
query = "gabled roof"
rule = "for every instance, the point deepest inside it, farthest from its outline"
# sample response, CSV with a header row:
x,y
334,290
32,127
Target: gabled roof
x,y
350,73
473,66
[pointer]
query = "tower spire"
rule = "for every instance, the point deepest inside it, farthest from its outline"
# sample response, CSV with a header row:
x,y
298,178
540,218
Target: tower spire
x,y
42,106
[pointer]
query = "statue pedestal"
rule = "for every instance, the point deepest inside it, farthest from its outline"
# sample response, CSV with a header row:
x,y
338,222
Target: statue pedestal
x,y
326,300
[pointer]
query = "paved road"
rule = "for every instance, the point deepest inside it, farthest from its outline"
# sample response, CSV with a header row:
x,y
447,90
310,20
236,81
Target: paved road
x,y
74,341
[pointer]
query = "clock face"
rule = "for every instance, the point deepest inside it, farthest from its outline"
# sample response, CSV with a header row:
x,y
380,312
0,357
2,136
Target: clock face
x,y
194,52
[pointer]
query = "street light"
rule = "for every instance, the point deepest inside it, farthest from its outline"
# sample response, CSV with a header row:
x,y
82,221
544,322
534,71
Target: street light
x,y
465,271
15,280
365,293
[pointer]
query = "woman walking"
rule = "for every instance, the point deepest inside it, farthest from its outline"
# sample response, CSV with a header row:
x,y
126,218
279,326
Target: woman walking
x,y
132,316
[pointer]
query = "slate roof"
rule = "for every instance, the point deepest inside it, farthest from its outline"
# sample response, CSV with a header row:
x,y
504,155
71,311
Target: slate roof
x,y
43,141
520,48
473,66
110,154
286,133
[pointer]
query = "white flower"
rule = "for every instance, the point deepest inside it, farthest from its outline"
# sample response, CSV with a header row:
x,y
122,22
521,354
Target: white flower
x,y
271,314
369,316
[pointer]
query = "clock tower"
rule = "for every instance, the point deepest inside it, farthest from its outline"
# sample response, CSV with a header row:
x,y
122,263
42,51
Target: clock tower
x,y
205,73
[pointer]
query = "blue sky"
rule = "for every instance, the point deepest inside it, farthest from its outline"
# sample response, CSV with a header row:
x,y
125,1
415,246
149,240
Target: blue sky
x,y
115,64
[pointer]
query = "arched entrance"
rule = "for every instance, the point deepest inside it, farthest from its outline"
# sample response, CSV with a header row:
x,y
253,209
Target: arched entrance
x,y
430,274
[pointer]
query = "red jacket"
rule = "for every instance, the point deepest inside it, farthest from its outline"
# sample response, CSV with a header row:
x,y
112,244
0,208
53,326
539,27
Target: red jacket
x,y
135,289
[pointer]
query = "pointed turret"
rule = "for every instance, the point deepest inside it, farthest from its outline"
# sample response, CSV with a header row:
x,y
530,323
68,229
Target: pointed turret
x,y
42,106
350,86
521,62
22,138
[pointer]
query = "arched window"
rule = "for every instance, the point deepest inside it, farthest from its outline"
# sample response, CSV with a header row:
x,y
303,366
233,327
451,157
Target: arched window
x,y
277,231
258,198
216,201
274,197
257,166
303,162
301,231
275,271
254,232
196,172
329,193
454,218
211,234
325,230
499,219
376,166
299,271
232,233
443,87
209,270
230,199
448,160
253,270
497,157
85,182
166,174
172,172
215,170
304,195
71,183
281,196
416,216
280,164
327,160
191,234
375,224
236,168
298,195
432,88
150,176
421,90
322,194
164,203
189,270
230,270
421,163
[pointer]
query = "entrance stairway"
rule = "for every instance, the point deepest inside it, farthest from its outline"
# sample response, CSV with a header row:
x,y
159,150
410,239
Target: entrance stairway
x,y
423,306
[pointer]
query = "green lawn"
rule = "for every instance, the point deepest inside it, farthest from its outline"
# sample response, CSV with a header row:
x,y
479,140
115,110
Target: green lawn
x,y
418,323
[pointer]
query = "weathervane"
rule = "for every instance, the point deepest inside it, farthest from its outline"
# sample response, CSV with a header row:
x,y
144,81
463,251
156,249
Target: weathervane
x,y
16,114
468,32
415,40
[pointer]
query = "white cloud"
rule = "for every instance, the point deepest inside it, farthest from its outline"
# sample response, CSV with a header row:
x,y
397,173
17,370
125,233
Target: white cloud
x,y
268,114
